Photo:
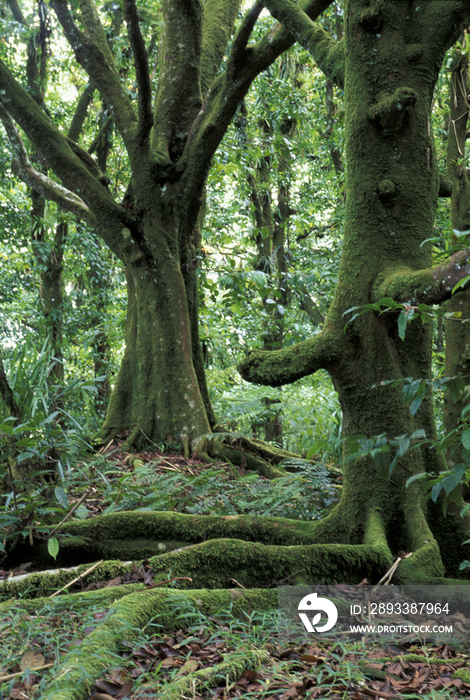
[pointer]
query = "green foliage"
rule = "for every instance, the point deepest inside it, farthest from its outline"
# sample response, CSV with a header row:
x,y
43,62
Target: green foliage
x,y
302,496
40,447
311,415
407,312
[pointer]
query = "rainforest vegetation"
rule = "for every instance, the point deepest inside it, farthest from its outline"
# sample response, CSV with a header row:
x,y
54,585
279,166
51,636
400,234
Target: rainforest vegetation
x,y
234,304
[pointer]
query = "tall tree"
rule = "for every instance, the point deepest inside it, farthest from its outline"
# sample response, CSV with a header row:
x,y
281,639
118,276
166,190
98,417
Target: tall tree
x,y
388,62
170,137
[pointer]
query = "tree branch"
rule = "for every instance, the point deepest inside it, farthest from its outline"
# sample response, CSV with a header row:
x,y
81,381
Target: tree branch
x,y
431,286
80,113
240,42
111,218
93,54
285,366
327,52
103,129
217,28
17,13
141,70
442,23
179,92
7,394
23,167
229,89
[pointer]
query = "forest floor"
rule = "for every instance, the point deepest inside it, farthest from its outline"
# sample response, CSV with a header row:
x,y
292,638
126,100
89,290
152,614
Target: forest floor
x,y
34,644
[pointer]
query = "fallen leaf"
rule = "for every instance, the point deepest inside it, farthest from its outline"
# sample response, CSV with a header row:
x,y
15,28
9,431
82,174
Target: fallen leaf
x,y
31,660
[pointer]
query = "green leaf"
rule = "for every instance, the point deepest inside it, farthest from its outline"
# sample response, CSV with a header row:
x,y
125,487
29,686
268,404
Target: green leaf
x,y
466,438
81,512
461,283
53,546
416,477
456,387
418,434
381,459
259,278
453,479
436,490
61,496
402,321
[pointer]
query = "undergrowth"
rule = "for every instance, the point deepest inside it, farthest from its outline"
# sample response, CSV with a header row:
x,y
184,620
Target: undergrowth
x,y
302,496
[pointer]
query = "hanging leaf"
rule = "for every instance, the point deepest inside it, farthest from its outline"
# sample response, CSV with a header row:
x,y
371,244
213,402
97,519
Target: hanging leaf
x,y
61,496
466,439
53,546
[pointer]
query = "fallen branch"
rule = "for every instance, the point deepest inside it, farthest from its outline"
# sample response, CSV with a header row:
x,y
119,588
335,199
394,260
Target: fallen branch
x,y
70,513
20,673
78,578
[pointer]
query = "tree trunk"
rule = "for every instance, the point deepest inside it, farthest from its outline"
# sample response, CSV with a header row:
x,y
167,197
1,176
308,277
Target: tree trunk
x,y
157,394
457,362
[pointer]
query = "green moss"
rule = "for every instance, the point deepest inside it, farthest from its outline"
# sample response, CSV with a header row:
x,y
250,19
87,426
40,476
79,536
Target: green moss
x,y
390,109
81,666
463,674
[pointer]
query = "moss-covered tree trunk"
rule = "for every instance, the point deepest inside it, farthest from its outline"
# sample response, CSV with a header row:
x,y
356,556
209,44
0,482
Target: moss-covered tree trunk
x,y
157,393
457,358
392,54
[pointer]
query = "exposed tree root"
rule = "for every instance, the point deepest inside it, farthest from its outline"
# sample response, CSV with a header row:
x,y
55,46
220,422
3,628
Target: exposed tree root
x,y
83,665
257,455
226,672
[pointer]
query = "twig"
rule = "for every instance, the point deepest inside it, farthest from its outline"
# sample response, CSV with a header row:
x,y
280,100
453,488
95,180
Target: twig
x,y
70,513
103,449
168,469
20,673
233,580
168,463
85,573
387,577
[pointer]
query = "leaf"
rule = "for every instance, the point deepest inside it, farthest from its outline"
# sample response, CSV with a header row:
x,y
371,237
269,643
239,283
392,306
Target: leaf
x,y
31,660
53,546
418,434
403,445
465,438
259,278
456,387
382,462
416,477
453,479
61,496
436,490
415,404
461,283
402,321
81,512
